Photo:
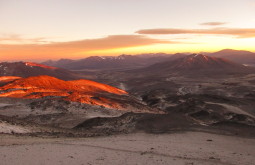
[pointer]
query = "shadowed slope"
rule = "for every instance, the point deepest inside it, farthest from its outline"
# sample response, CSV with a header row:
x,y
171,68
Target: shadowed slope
x,y
27,69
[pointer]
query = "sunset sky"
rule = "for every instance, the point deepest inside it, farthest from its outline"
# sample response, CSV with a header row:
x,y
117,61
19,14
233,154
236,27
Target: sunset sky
x,y
38,30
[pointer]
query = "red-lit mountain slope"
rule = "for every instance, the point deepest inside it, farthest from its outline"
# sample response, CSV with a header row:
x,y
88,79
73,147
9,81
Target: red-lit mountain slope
x,y
6,79
83,91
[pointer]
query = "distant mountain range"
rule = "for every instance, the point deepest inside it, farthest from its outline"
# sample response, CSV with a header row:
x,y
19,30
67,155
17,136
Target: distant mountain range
x,y
147,63
112,62
144,60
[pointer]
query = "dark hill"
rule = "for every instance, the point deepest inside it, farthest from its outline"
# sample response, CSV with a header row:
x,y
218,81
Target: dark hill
x,y
27,69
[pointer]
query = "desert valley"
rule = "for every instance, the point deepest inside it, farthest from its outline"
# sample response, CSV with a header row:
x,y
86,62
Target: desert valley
x,y
110,82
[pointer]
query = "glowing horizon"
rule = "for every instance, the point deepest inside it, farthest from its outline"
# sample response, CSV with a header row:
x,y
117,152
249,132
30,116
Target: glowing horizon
x,y
41,30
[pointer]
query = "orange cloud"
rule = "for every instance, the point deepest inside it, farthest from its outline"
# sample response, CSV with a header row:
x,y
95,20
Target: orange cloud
x,y
73,48
213,23
109,42
238,32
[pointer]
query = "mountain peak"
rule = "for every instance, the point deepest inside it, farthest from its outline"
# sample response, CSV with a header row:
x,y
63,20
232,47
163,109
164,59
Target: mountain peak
x,y
196,64
238,56
232,52
200,61
198,56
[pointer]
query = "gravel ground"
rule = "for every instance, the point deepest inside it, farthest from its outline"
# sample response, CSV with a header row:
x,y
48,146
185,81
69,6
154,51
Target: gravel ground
x,y
190,148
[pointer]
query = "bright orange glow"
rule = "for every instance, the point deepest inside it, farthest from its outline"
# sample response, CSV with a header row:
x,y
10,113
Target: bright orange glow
x,y
84,91
72,49
123,44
